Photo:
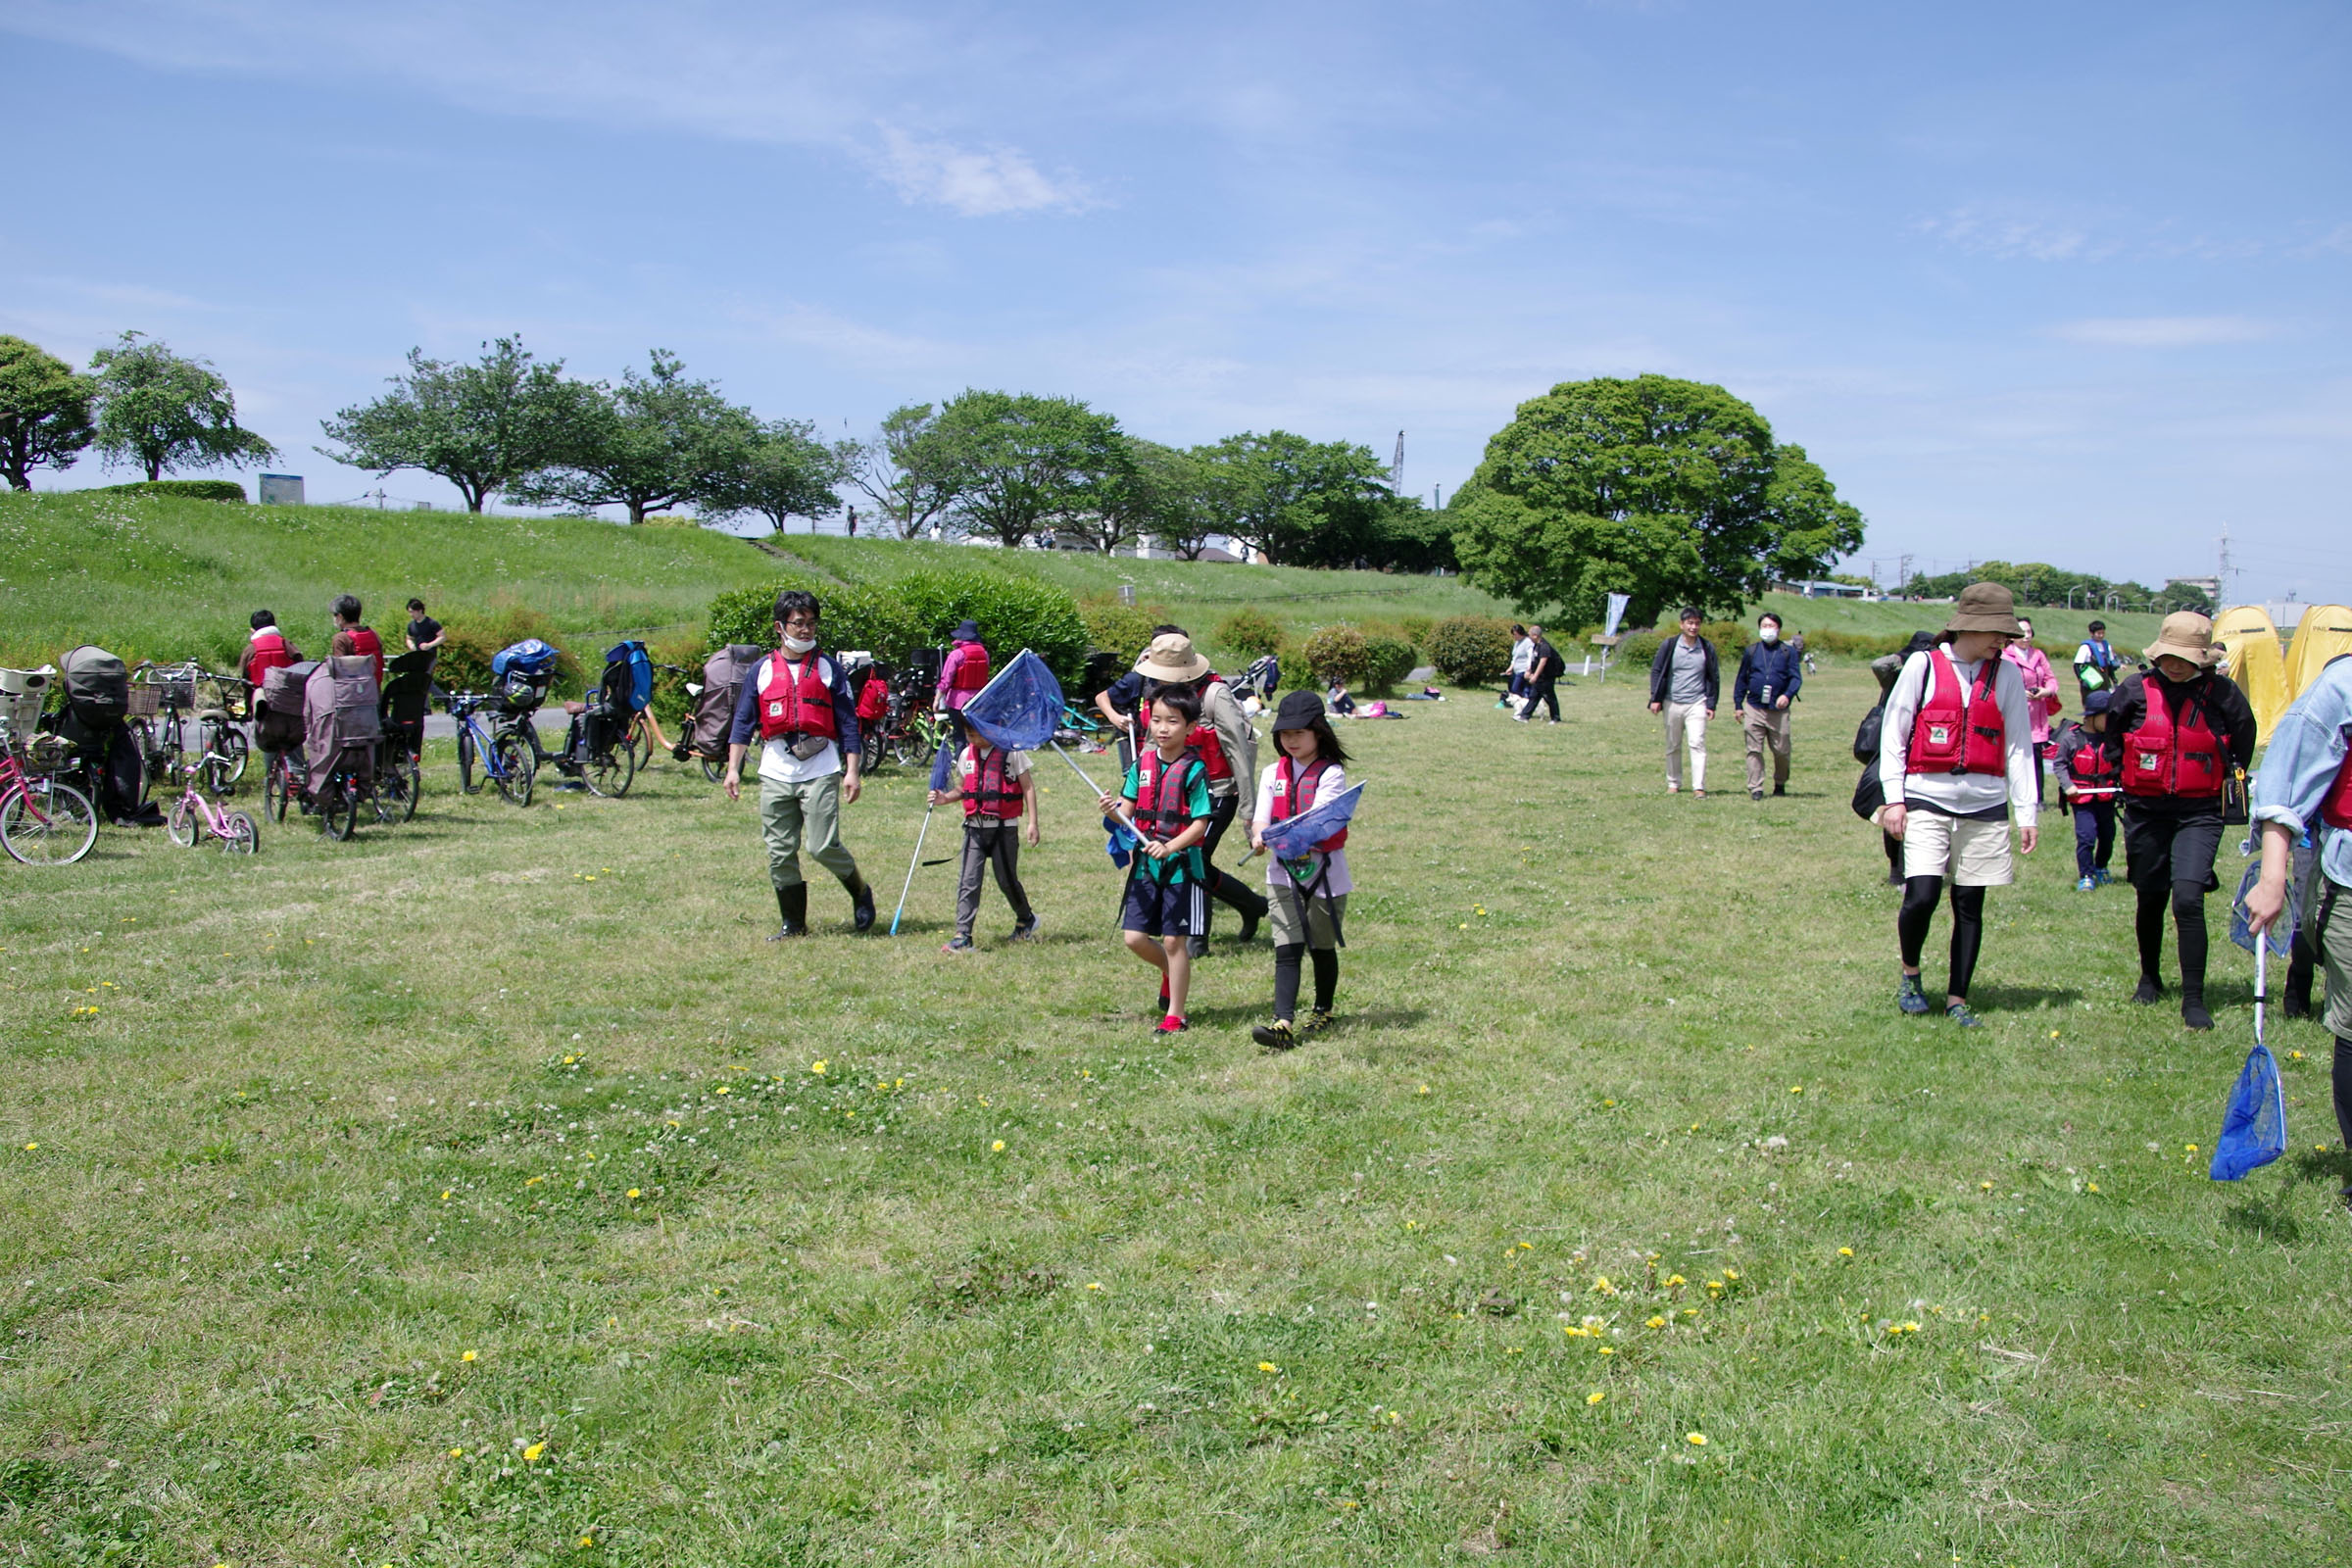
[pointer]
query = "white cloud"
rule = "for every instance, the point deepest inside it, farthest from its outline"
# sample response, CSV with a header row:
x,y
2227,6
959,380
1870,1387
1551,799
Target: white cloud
x,y
2161,331
977,185
2017,238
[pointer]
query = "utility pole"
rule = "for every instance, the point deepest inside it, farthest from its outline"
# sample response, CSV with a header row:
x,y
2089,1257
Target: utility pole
x,y
1902,576
1397,467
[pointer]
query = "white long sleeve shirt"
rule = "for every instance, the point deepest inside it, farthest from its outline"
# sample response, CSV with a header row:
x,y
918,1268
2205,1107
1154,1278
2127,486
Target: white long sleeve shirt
x,y
1960,794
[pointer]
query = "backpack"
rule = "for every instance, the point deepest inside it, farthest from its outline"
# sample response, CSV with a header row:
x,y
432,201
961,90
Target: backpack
x,y
341,716
628,682
1867,734
282,688
520,674
97,686
723,674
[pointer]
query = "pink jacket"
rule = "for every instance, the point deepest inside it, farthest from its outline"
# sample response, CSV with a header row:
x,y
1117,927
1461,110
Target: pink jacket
x,y
2034,666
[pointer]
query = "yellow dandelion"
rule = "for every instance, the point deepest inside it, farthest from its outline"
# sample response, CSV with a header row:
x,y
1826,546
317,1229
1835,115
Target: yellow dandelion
x,y
1094,1285
534,1181
457,1453
1796,1089
1423,1089
636,1192
2191,1147
1676,1280
1696,1440
530,1455
588,1541
1731,1274
1268,1366
2095,1187
444,1191
1602,1287
997,1147
725,1090
29,1148
1983,1187
1608,1350
1846,1251
1656,1323
1594,1398
469,1356
818,1067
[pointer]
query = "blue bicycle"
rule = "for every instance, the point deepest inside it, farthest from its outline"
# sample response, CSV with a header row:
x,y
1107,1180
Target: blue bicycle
x,y
507,759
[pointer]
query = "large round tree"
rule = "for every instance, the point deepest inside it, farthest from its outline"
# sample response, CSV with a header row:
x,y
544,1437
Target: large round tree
x,y
1672,492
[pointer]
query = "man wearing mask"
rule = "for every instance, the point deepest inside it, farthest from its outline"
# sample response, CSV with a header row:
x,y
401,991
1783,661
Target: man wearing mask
x,y
2184,730
1770,673
2096,662
799,706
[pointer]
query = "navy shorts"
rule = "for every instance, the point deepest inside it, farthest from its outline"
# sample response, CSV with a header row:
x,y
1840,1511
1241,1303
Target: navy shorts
x,y
1164,909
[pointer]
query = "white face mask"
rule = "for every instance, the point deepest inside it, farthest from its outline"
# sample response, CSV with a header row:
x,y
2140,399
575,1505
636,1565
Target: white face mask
x,y
797,646
1770,634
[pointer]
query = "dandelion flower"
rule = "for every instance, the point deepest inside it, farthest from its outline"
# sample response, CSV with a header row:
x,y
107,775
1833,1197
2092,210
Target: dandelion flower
x,y
997,1147
1656,1323
2191,1147
444,1191
1268,1366
1094,1285
530,1455
1423,1089
1602,1287
1608,1350
636,1191
29,1148
818,1067
1846,1251
724,1089
469,1356
457,1453
1796,1089
2095,1187
1731,1274
1594,1398
588,1541
1676,1280
1696,1440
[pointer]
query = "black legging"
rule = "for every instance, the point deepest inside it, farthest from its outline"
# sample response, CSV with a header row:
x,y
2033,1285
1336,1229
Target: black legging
x,y
1968,927
2188,925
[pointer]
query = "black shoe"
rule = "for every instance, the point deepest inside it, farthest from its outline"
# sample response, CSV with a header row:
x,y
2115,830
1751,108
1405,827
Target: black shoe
x,y
2297,1005
1275,1035
792,904
2193,1013
862,903
1249,921
2151,990
1779,789
1197,946
1317,1021
1755,795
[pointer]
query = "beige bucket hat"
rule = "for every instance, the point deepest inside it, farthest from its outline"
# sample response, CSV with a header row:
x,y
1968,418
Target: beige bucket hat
x,y
2186,635
1172,657
1986,607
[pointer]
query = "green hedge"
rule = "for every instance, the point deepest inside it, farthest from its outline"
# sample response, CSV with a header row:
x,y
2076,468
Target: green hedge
x,y
185,489
463,663
1387,661
1336,655
1471,650
1250,632
920,610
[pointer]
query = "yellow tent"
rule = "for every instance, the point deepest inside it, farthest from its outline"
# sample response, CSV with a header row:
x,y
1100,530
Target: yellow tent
x,y
2325,632
2254,662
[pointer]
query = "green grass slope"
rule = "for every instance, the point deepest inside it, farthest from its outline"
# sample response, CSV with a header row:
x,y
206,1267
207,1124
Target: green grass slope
x,y
487,1190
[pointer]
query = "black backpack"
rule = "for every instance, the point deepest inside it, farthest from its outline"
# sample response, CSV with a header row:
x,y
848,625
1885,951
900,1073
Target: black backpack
x,y
1867,734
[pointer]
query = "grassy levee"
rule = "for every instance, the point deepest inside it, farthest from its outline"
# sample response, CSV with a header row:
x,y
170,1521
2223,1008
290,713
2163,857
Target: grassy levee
x,y
2053,624
486,1190
166,578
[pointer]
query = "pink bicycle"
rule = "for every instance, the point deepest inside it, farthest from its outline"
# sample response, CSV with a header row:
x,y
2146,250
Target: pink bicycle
x,y
43,822
198,813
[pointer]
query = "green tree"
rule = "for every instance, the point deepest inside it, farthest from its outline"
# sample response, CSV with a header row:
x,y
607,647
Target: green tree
x,y
1021,463
1668,491
484,427
1302,503
786,473
45,412
655,442
906,469
1157,492
161,413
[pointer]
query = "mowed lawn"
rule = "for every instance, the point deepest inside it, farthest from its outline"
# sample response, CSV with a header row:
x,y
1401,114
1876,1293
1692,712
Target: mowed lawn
x,y
487,1190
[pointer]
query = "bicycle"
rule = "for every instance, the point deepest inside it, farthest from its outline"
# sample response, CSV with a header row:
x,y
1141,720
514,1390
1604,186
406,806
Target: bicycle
x,y
222,704
349,790
282,782
158,693
508,761
43,822
645,735
197,815
607,764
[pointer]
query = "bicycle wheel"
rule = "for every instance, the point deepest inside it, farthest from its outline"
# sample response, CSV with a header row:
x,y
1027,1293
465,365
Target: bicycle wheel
x,y
47,823
515,767
465,758
410,776
338,810
242,837
182,826
714,770
273,789
230,742
609,773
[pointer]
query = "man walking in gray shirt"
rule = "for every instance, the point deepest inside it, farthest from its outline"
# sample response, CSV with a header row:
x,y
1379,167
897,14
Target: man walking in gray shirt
x,y
1683,683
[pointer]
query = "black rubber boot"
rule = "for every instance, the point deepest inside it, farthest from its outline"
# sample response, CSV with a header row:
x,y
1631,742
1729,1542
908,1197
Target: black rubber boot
x,y
792,904
862,903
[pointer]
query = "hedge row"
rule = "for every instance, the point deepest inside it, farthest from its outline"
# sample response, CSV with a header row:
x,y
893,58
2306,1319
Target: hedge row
x,y
185,489
920,610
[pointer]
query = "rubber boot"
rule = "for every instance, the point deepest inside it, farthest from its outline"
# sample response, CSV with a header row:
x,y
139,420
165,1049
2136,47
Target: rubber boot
x,y
861,902
792,904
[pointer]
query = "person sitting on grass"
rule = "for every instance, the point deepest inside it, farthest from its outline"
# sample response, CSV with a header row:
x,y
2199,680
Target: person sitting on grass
x,y
1310,896
1956,761
998,788
1166,802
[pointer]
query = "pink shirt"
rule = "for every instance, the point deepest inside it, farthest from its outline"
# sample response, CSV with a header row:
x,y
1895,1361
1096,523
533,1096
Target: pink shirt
x,y
2035,667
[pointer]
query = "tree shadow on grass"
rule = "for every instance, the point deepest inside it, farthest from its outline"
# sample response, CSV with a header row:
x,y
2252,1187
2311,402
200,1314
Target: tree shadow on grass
x,y
2022,998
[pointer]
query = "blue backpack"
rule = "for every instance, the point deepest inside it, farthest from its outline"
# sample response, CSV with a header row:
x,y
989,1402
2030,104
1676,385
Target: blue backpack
x,y
630,676
529,657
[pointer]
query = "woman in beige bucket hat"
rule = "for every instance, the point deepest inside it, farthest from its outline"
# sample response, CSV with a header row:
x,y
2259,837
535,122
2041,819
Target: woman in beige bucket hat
x,y
2185,732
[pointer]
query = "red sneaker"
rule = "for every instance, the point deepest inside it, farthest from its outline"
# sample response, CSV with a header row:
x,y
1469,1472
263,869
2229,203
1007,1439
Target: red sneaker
x,y
1171,1025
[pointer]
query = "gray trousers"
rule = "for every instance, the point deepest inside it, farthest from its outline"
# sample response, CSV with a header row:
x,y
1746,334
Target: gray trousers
x,y
803,816
984,847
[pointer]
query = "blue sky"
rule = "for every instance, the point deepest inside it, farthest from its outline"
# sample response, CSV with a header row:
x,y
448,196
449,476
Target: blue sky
x,y
2034,281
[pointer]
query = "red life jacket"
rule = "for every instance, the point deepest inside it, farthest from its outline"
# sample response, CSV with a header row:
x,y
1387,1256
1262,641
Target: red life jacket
x,y
2180,757
365,641
1956,731
267,650
873,698
1161,788
793,705
2097,768
987,792
1204,744
1295,792
970,674
2335,807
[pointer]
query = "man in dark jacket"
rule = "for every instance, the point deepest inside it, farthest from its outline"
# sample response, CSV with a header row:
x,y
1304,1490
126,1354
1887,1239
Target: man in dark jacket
x,y
1770,673
1544,670
1684,681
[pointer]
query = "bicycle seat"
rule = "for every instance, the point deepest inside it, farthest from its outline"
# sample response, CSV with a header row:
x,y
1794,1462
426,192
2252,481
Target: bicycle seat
x,y
574,710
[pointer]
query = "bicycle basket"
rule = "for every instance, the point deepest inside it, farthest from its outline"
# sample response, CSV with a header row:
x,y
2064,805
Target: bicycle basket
x,y
146,700
43,754
175,689
222,696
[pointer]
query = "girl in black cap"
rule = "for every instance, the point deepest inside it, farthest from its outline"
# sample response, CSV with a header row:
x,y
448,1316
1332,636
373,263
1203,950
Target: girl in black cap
x,y
1310,896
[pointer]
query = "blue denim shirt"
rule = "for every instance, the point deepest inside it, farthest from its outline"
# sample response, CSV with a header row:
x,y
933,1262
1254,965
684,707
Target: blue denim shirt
x,y
2306,751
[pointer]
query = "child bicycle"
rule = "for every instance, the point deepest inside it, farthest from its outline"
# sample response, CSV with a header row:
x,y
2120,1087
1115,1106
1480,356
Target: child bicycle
x,y
198,813
509,761
43,822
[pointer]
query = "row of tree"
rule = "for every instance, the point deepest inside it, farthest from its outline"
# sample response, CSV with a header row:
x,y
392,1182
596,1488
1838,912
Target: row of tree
x,y
139,404
2035,583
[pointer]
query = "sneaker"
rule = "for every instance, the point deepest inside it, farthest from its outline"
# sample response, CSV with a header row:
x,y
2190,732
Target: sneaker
x,y
2151,990
2084,884
1674,789
1249,923
1699,795
1171,1025
1910,997
1779,789
1275,1035
1026,931
1961,1018
2193,1013
2102,876
1755,795
1317,1021
958,945
1516,718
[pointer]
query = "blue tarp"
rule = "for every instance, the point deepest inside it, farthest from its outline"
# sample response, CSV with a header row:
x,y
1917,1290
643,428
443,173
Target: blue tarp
x,y
2254,1121
1020,707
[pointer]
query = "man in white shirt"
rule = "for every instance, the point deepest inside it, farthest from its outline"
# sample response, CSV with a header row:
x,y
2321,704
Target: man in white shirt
x,y
1956,761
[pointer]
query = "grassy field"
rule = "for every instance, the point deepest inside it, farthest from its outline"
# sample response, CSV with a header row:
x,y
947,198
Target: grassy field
x,y
486,1190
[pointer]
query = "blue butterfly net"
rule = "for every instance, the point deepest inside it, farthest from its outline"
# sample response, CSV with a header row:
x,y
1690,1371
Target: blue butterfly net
x,y
2254,1121
1020,707
1297,837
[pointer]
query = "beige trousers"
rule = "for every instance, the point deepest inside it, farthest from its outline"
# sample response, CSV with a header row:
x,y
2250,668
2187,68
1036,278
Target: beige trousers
x,y
1687,725
1765,726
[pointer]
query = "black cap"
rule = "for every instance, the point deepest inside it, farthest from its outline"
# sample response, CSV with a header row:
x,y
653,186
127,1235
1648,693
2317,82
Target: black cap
x,y
1298,711
967,631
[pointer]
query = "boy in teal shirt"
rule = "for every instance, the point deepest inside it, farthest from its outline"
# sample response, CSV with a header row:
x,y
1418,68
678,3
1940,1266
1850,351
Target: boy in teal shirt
x,y
1165,800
